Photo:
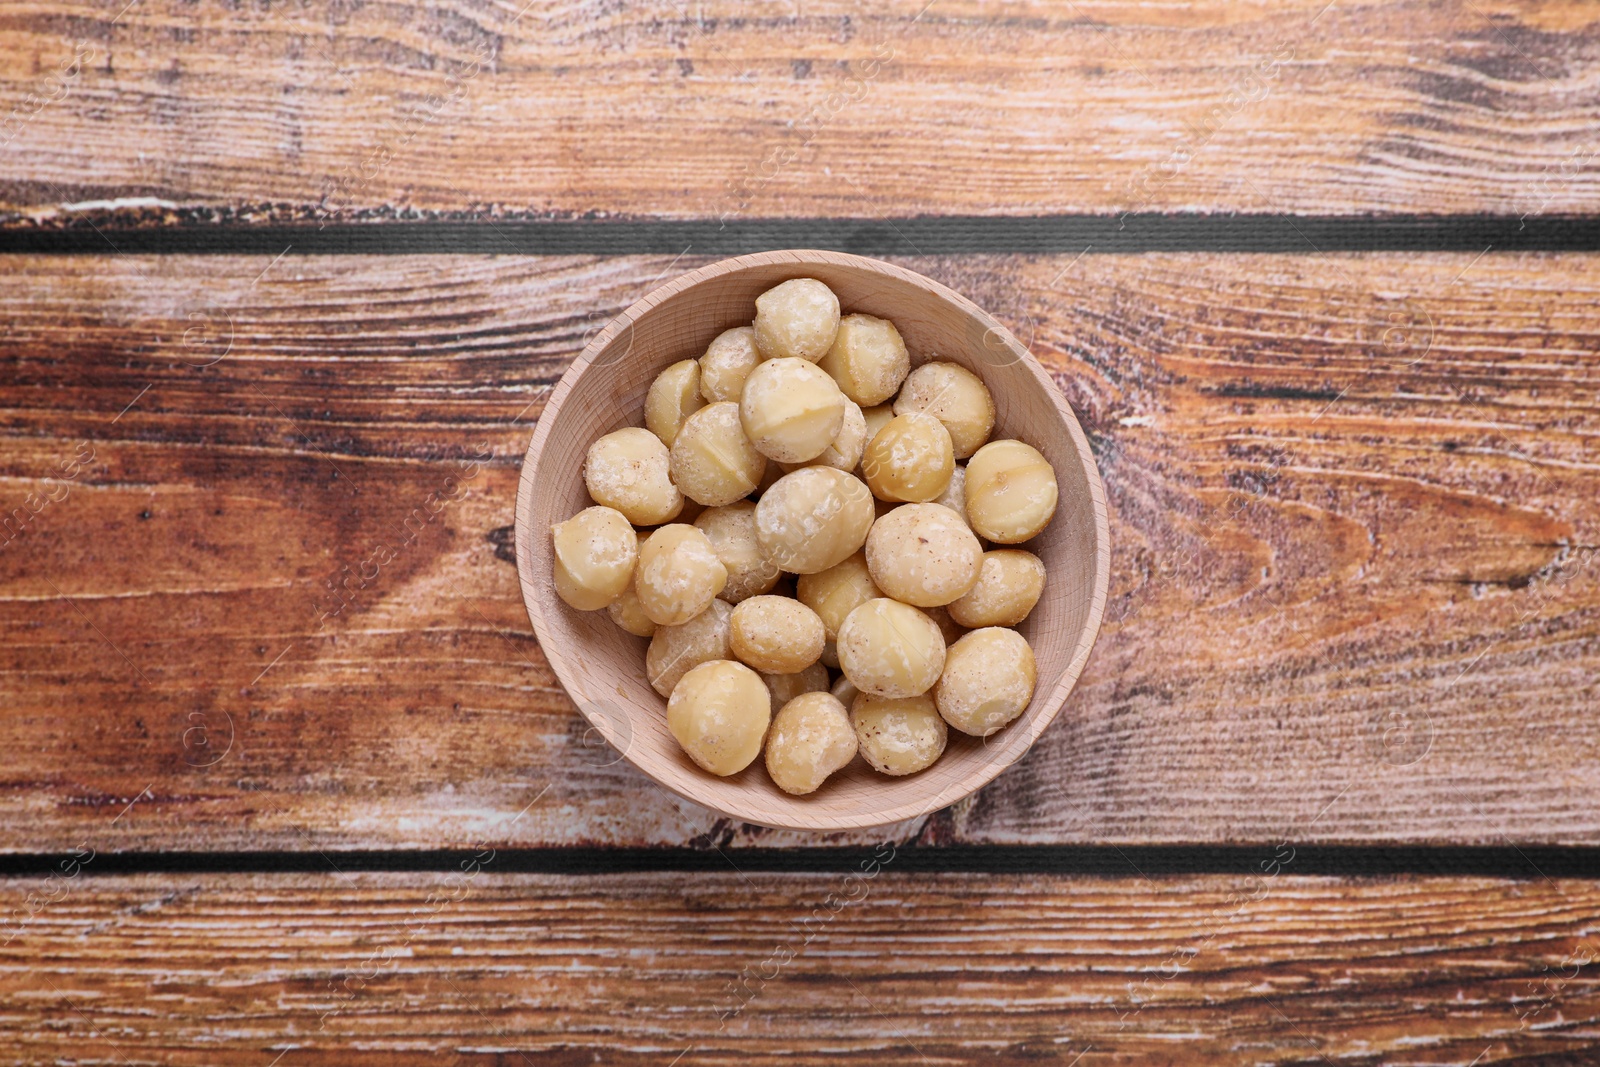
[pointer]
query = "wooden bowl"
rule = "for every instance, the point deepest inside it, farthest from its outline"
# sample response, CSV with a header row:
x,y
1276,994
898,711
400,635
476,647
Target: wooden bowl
x,y
602,666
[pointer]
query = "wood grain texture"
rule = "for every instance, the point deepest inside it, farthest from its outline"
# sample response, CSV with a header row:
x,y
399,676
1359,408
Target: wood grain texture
x,y
1353,590
174,111
484,968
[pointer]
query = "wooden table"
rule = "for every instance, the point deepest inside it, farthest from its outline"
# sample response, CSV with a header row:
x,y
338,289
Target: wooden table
x,y
1319,279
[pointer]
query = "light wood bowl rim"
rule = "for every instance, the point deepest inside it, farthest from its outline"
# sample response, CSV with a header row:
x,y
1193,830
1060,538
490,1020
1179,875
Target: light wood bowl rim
x,y
1018,738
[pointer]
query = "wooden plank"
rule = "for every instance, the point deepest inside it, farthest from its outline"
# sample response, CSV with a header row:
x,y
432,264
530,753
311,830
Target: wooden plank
x,y
176,112
721,969
1353,591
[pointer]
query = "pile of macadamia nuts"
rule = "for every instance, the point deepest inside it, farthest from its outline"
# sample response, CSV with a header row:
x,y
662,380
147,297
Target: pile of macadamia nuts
x,y
833,526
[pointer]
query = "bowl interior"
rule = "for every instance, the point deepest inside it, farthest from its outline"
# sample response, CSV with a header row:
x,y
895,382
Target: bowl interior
x,y
602,667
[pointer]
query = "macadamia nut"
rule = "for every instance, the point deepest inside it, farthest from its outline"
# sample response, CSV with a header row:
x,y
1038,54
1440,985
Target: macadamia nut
x,y
890,649
910,459
1011,492
811,737
956,397
776,635
797,319
712,461
813,518
791,410
678,575
676,650
673,397
719,713
1009,585
627,469
954,496
987,682
898,735
834,593
923,554
845,452
785,687
868,359
727,362
628,613
731,529
595,551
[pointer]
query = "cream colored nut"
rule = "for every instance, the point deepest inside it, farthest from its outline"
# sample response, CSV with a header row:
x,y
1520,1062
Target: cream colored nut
x,y
844,690
812,519
1009,585
672,398
731,529
727,362
719,713
898,735
956,397
877,418
988,681
909,460
890,649
791,410
954,496
712,461
811,737
830,656
785,687
676,650
628,613
627,470
678,575
595,553
923,554
834,593
1011,492
776,635
796,319
845,452
868,359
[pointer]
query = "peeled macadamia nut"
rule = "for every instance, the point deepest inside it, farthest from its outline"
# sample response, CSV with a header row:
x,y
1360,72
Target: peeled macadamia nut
x,y
834,593
595,551
628,613
910,459
719,713
712,461
727,362
868,359
877,418
811,737
844,690
678,575
845,452
954,496
813,518
1009,585
898,735
776,635
890,649
956,397
1011,492
988,681
797,319
627,469
676,650
673,397
923,554
785,687
791,410
731,529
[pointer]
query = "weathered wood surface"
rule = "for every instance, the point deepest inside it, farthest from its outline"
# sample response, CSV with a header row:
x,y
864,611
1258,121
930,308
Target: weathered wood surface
x,y
173,110
719,969
1353,594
